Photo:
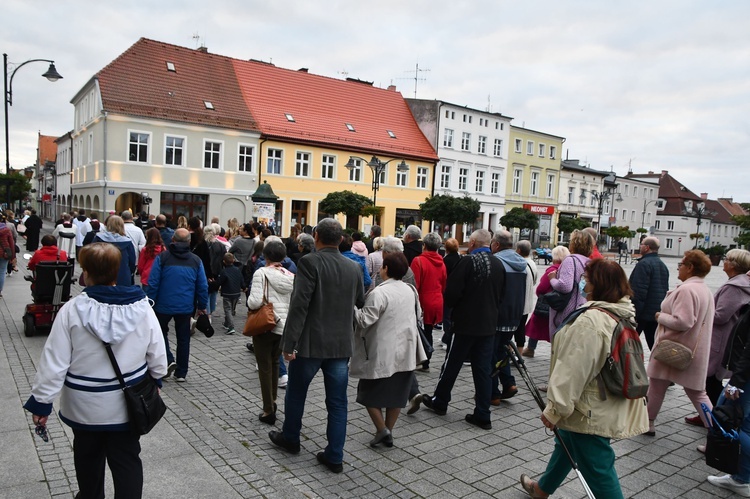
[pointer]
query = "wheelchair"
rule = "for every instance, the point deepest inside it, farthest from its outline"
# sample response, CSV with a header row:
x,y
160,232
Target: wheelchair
x,y
50,289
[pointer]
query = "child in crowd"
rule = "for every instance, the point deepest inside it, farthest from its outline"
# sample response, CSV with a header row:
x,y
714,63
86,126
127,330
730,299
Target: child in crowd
x,y
230,282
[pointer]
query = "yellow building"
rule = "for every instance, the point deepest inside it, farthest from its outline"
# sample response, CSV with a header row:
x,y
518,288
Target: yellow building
x,y
534,179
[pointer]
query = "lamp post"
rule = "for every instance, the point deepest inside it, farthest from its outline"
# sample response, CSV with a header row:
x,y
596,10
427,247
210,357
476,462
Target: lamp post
x,y
51,74
700,211
600,198
378,167
643,213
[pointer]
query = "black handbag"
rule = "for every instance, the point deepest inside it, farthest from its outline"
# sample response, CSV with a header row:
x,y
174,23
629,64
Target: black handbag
x,y
722,446
145,405
541,309
556,300
426,344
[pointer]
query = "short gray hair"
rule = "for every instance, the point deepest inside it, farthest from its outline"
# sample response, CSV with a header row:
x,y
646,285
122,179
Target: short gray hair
x,y
740,259
329,231
432,241
503,238
392,245
306,241
523,248
560,253
126,215
481,236
377,243
414,232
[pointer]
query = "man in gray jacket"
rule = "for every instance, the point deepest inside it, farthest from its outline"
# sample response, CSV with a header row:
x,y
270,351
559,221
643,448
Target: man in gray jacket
x,y
318,335
650,283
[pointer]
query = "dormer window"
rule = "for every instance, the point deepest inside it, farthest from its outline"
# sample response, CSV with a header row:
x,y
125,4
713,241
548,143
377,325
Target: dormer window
x,y
170,67
289,117
350,127
208,105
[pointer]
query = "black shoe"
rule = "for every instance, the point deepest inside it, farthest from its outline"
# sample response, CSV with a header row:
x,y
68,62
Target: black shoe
x,y
278,438
250,347
269,419
485,425
336,468
428,403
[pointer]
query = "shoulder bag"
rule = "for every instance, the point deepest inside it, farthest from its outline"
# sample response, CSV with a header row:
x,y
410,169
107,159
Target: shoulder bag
x,y
674,354
145,405
428,348
261,320
557,300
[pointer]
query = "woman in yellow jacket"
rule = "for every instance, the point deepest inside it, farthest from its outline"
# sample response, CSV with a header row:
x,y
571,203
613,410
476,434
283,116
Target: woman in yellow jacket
x,y
586,421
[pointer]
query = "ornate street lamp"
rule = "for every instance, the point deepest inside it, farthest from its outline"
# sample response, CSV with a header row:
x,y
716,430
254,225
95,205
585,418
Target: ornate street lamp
x,y
699,211
51,74
600,198
378,167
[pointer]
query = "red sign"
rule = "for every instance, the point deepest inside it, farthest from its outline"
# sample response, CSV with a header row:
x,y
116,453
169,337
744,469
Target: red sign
x,y
539,209
47,197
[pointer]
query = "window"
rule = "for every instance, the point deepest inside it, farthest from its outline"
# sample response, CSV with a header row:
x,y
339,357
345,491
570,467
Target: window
x,y
355,174
482,147
465,141
445,177
651,194
448,138
635,191
350,127
467,118
529,148
498,151
302,165
174,150
542,149
550,186
632,216
273,164
657,224
289,117
593,197
138,147
670,243
534,188
571,195
246,158
670,224
627,189
518,145
383,175
447,114
552,152
494,183
401,178
209,105
450,114
517,177
481,121
327,166
583,197
391,134
212,155
90,157
479,184
614,215
463,175
422,177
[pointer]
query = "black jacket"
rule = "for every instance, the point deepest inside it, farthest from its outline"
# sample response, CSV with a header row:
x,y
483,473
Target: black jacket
x,y
739,350
650,283
412,249
230,280
474,291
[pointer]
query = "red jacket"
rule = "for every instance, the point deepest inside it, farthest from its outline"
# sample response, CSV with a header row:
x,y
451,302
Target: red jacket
x,y
430,277
6,241
146,261
46,254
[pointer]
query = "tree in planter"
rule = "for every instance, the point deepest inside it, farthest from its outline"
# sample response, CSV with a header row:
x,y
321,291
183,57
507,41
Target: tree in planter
x,y
618,233
567,225
642,231
445,209
697,236
518,218
347,202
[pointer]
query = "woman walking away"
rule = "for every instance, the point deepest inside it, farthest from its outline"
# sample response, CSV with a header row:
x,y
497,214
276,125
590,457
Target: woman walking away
x,y
430,277
686,316
275,283
154,246
115,236
568,276
586,420
387,347
7,250
75,365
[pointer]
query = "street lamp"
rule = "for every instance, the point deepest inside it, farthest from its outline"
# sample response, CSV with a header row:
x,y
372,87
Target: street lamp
x,y
51,74
643,213
600,198
377,167
700,211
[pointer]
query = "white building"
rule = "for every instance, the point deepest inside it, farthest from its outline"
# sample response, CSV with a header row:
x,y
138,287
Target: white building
x,y
635,206
579,188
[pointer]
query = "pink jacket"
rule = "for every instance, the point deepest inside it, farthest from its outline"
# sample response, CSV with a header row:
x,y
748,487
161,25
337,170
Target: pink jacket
x,y
687,316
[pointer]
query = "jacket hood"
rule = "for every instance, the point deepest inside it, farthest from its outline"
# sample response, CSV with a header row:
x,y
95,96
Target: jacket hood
x,y
359,248
623,308
111,313
512,259
279,279
432,257
110,237
179,249
741,281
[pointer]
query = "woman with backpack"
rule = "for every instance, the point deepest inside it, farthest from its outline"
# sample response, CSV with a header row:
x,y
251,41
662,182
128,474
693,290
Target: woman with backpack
x,y
586,415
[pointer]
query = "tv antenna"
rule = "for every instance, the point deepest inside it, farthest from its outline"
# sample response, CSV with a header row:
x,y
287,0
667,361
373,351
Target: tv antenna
x,y
416,78
197,38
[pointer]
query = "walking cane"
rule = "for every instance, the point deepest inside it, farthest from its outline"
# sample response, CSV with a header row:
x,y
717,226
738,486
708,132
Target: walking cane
x,y
518,361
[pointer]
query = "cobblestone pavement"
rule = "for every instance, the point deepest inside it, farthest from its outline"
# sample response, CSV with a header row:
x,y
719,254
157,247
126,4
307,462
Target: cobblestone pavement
x,y
211,444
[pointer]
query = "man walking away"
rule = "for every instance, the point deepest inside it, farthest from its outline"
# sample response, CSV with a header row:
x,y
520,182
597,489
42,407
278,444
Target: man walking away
x,y
650,283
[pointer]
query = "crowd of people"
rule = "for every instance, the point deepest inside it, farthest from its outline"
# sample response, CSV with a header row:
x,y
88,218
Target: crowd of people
x,y
369,307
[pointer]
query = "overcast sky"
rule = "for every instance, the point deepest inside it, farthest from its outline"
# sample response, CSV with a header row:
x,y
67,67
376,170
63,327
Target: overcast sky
x,y
660,85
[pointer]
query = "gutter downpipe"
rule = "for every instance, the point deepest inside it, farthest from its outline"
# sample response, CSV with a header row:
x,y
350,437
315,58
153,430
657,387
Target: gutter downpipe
x,y
104,166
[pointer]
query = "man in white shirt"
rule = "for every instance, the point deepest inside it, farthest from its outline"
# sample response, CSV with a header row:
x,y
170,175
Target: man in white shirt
x,y
134,233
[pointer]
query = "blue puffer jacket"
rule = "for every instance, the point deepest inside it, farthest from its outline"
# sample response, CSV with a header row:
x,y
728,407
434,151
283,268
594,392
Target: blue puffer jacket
x,y
127,264
177,282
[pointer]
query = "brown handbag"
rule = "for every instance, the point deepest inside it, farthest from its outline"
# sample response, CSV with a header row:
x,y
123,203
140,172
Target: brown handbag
x,y
674,354
261,320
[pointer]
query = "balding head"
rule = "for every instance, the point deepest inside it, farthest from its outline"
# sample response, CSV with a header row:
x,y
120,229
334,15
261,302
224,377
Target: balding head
x,y
651,243
181,236
480,238
502,240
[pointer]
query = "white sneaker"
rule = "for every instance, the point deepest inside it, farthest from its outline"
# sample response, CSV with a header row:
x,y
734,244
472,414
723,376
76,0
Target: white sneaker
x,y
283,380
180,380
193,322
727,482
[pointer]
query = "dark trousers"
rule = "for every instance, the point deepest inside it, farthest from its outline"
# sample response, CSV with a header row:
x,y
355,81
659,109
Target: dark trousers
x,y
267,350
520,334
500,355
119,449
479,350
428,334
648,328
182,332
714,387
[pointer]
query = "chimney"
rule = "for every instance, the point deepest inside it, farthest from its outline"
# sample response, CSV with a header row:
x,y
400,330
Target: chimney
x,y
202,49
650,172
704,196
392,88
664,172
302,70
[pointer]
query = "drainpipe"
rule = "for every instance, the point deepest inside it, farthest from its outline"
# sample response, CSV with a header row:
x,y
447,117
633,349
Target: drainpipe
x,y
260,169
104,166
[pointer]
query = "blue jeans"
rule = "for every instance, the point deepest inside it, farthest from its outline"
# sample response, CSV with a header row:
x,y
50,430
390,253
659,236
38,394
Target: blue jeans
x,y
3,266
743,476
182,331
282,366
212,302
335,379
479,350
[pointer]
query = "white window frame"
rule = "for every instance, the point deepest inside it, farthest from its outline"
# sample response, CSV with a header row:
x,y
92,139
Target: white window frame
x,y
463,178
518,146
657,224
465,141
517,180
542,150
670,224
445,176
245,156
422,176
550,186
534,184
494,183
635,191
552,152
529,147
632,216
402,178
614,213
498,148
448,138
571,194
273,160
149,143
328,167
302,165
482,145
220,143
168,136
355,174
669,243
90,148
479,181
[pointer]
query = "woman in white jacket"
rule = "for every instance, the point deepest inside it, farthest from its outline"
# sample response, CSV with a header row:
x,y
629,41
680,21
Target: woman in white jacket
x,y
75,364
275,283
387,347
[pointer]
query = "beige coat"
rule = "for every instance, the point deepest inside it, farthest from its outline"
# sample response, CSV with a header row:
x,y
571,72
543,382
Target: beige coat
x,y
687,317
574,402
386,340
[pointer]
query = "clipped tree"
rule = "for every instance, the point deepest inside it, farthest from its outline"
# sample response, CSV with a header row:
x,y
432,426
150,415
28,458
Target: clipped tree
x,y
518,218
568,224
445,209
618,233
19,186
347,202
